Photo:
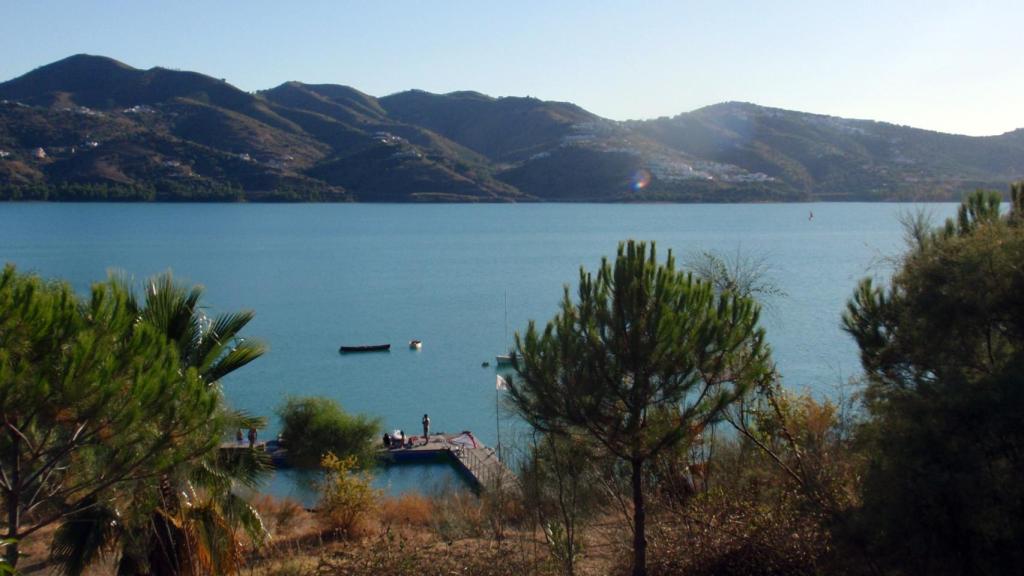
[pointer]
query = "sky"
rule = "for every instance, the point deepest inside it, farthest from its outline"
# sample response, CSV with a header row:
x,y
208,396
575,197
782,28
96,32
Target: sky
x,y
948,66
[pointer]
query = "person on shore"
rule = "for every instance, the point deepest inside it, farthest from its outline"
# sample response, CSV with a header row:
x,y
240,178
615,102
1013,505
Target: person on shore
x,y
238,436
426,429
252,437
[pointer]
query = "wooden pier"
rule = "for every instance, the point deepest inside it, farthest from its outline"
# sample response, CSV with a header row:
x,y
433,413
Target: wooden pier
x,y
260,446
478,463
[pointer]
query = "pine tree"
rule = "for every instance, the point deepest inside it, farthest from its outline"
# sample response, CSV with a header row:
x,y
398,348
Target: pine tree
x,y
645,359
91,401
943,352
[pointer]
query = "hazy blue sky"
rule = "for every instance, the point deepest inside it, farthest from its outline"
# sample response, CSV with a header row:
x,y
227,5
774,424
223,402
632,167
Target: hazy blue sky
x,y
950,66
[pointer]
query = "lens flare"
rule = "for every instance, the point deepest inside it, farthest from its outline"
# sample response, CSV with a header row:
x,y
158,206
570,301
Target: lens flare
x,y
641,178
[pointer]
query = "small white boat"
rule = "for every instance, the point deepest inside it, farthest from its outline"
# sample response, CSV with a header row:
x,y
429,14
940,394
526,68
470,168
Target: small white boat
x,y
503,359
415,344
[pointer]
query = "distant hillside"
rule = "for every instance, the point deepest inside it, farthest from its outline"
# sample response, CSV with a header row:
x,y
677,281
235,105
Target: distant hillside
x,y
503,129
105,128
92,128
829,157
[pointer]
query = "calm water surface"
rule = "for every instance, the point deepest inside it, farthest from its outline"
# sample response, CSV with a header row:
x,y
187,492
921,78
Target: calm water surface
x,y
319,276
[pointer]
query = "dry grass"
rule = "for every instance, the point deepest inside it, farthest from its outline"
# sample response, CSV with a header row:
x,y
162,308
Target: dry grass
x,y
392,555
458,516
451,533
407,510
282,516
301,565
411,534
725,534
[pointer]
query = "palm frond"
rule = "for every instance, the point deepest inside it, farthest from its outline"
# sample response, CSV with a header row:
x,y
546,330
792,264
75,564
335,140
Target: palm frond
x,y
209,475
249,468
239,512
84,538
235,419
219,336
214,548
226,327
123,282
173,309
243,353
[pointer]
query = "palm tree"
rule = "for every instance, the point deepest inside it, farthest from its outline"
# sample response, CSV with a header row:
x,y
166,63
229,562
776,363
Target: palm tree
x,y
210,345
191,522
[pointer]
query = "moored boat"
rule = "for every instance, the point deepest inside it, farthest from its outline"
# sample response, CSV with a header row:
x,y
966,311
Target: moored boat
x,y
505,359
372,348
415,344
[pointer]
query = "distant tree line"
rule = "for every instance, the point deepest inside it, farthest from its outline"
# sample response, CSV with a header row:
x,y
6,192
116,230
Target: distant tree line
x,y
162,191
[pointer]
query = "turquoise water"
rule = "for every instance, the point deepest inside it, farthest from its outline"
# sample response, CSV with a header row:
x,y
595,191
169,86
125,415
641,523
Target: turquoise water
x,y
319,276
430,478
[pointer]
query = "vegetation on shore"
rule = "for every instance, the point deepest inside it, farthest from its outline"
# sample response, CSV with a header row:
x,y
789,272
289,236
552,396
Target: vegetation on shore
x,y
665,441
943,354
315,427
161,192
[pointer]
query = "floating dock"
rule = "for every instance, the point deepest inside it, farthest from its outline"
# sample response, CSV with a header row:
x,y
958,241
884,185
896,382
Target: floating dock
x,y
478,463
260,446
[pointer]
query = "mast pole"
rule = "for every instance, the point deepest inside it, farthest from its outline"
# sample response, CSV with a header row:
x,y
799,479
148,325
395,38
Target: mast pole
x,y
497,420
497,410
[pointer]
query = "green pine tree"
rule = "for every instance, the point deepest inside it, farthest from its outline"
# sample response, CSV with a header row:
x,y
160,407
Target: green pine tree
x,y
642,361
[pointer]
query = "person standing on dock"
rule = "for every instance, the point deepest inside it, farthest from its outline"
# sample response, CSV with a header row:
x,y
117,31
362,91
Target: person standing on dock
x,y
252,436
426,429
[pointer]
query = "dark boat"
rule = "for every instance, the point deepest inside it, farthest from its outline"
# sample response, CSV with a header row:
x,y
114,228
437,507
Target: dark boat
x,y
374,348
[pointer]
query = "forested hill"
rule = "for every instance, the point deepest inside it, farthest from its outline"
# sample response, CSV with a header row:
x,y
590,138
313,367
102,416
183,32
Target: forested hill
x,y
827,156
89,127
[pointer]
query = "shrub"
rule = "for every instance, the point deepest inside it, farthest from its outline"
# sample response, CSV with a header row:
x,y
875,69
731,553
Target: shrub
x,y
346,496
314,426
561,486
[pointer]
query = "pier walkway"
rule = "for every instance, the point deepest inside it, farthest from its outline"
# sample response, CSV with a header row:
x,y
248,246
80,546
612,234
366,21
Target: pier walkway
x,y
477,462
260,446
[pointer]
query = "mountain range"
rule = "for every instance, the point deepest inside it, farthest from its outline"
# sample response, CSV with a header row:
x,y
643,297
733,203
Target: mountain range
x,y
92,128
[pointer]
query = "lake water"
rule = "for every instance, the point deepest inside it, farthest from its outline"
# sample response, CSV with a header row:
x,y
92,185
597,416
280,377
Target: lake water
x,y
319,276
